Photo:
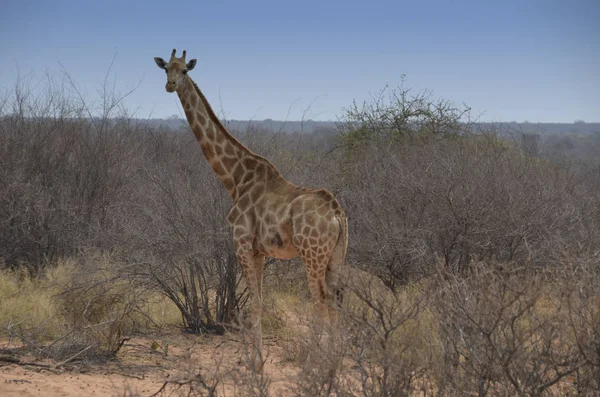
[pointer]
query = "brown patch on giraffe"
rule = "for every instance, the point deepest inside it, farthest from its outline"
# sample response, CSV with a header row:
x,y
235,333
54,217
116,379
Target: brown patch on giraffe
x,y
244,202
238,172
229,162
202,119
297,240
210,134
281,211
218,150
246,218
314,233
250,163
323,209
208,150
255,193
260,170
197,130
229,149
324,194
218,168
239,230
322,225
309,218
194,101
191,116
220,139
260,201
248,177
270,175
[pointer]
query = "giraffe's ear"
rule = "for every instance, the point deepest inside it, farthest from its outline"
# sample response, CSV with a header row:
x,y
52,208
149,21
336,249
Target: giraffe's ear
x,y
191,64
160,63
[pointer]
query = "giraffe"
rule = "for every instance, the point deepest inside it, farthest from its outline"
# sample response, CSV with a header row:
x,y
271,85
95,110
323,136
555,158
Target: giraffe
x,y
270,216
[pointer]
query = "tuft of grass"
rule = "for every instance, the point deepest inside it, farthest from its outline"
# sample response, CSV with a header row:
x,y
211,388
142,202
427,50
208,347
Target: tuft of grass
x,y
98,307
161,311
28,305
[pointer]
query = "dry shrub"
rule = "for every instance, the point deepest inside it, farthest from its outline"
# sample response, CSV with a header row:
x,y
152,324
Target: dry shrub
x,y
99,309
506,333
178,240
464,199
216,381
383,346
389,336
422,183
489,332
580,288
61,173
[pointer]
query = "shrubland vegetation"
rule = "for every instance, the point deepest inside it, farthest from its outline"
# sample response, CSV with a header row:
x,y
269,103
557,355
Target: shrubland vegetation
x,y
473,265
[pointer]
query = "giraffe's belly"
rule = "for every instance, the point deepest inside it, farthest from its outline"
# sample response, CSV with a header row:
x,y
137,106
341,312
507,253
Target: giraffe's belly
x,y
279,248
286,252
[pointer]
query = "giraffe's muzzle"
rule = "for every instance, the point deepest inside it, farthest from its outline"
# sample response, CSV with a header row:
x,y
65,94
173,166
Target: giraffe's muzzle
x,y
171,86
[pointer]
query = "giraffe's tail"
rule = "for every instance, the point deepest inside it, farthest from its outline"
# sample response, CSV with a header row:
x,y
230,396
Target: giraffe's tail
x,y
338,261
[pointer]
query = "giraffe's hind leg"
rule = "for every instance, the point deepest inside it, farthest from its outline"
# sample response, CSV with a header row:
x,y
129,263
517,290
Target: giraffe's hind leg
x,y
316,238
335,288
322,278
323,281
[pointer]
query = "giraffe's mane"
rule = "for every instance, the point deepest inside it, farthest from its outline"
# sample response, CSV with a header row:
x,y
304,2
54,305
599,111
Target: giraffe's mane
x,y
217,122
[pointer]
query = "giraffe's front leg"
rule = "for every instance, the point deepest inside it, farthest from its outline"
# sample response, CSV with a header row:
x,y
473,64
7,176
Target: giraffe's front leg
x,y
253,266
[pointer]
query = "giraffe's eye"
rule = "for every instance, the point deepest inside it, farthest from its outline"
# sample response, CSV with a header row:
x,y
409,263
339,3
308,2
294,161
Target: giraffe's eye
x,y
185,71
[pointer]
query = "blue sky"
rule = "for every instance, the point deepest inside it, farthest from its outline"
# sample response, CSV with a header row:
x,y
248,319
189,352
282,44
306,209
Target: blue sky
x,y
508,60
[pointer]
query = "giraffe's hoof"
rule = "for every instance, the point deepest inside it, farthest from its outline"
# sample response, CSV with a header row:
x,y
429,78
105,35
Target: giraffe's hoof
x,y
258,365
255,364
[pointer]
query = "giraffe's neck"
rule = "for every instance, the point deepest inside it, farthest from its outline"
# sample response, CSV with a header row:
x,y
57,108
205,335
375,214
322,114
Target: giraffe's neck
x,y
234,164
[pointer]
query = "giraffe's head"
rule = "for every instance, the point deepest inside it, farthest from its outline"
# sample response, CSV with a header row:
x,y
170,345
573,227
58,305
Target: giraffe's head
x,y
176,70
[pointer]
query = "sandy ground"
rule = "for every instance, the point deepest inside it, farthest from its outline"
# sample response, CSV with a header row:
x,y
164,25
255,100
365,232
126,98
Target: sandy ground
x,y
142,367
140,370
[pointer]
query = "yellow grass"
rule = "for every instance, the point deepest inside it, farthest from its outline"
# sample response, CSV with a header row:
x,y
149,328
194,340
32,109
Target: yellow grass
x,y
34,306
28,304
